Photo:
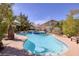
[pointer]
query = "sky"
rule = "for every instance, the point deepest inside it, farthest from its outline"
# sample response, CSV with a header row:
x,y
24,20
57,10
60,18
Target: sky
x,y
42,12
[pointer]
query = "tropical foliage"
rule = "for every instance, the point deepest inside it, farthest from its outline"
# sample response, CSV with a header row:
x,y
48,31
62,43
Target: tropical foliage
x,y
7,21
6,15
22,23
69,26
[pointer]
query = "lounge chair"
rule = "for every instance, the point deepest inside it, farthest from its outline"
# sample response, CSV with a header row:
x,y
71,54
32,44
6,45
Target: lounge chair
x,y
73,38
76,38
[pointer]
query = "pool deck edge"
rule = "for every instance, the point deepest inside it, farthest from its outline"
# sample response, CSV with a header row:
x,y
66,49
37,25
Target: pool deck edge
x,y
73,47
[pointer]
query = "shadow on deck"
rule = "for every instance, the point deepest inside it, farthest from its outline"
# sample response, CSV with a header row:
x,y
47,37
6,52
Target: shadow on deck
x,y
9,51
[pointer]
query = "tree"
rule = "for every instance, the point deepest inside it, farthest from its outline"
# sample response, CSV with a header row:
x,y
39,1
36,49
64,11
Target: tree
x,y
6,15
23,23
69,26
77,25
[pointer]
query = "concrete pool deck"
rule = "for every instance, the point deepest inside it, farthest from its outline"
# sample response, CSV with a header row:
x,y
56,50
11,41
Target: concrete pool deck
x,y
14,44
17,43
20,37
73,47
14,47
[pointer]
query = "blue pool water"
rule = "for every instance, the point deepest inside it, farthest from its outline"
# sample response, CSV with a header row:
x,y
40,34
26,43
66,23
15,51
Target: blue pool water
x,y
43,44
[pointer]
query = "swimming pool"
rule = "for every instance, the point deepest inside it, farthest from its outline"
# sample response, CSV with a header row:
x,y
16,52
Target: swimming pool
x,y
43,44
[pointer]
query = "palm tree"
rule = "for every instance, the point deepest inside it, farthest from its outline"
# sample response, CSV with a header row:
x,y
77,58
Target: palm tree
x,y
7,18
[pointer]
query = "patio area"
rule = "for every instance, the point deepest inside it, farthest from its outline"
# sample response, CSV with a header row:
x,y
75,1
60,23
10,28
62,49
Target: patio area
x,y
73,46
14,47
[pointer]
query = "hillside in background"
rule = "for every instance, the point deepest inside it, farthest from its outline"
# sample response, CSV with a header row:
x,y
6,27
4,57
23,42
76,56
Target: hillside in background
x,y
51,22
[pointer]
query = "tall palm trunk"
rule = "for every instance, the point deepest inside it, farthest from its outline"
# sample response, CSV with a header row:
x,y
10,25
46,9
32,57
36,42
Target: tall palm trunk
x,y
10,33
1,43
